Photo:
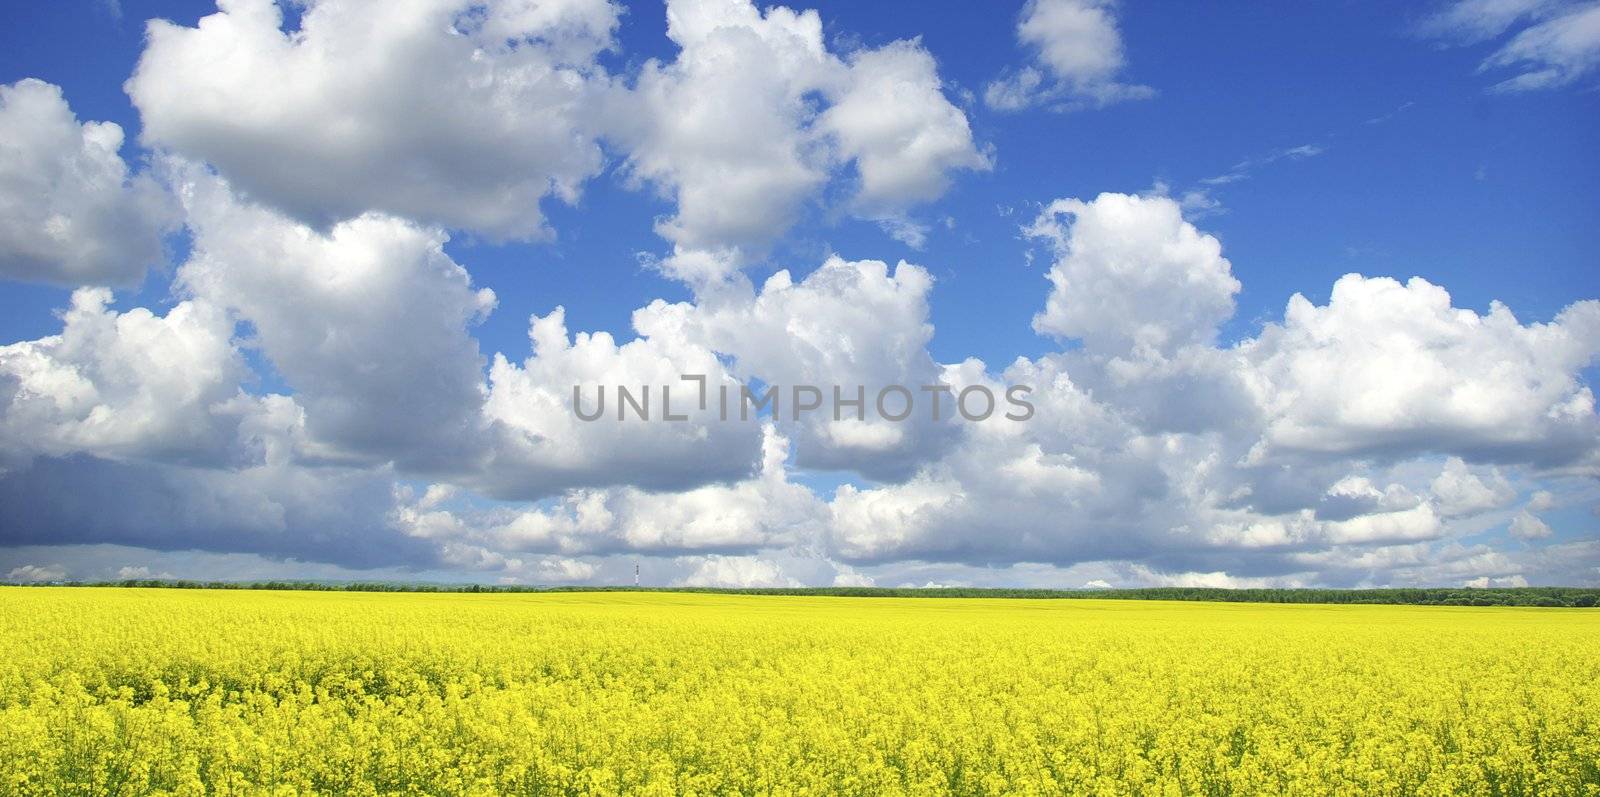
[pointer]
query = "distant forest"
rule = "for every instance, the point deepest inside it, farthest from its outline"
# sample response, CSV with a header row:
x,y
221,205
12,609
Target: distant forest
x,y
1555,597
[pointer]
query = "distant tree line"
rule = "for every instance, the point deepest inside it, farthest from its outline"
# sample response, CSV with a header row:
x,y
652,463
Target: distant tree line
x,y
1556,597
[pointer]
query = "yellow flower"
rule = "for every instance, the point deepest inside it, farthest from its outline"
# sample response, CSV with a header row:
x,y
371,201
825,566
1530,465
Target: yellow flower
x,y
128,691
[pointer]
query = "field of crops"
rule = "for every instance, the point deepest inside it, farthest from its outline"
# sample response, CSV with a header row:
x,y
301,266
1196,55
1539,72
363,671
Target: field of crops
x,y
135,691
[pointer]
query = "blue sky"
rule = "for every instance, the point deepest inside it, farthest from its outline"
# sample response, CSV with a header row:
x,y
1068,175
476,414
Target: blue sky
x,y
1492,196
1348,137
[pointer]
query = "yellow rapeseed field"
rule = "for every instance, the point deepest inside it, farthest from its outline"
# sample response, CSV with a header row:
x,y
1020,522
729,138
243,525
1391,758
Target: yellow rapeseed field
x,y
133,691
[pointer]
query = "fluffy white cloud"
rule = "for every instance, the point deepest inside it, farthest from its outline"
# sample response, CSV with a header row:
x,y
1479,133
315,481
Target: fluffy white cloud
x,y
1078,58
367,322
763,510
732,131
451,112
123,385
723,127
854,325
1387,526
1528,526
1130,274
1393,369
893,121
1074,483
848,577
70,211
543,446
1353,496
29,574
1459,490
1485,582
743,572
131,572
1145,576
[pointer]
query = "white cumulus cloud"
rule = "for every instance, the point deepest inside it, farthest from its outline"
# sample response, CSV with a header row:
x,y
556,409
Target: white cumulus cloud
x,y
71,211
737,571
450,112
367,322
1392,368
1078,57
756,114
1131,273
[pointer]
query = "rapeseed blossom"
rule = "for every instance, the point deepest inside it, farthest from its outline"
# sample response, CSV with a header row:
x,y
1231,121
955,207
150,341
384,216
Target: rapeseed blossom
x,y
134,691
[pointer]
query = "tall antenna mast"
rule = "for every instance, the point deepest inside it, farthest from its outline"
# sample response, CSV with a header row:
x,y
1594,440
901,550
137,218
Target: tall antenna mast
x,y
636,574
